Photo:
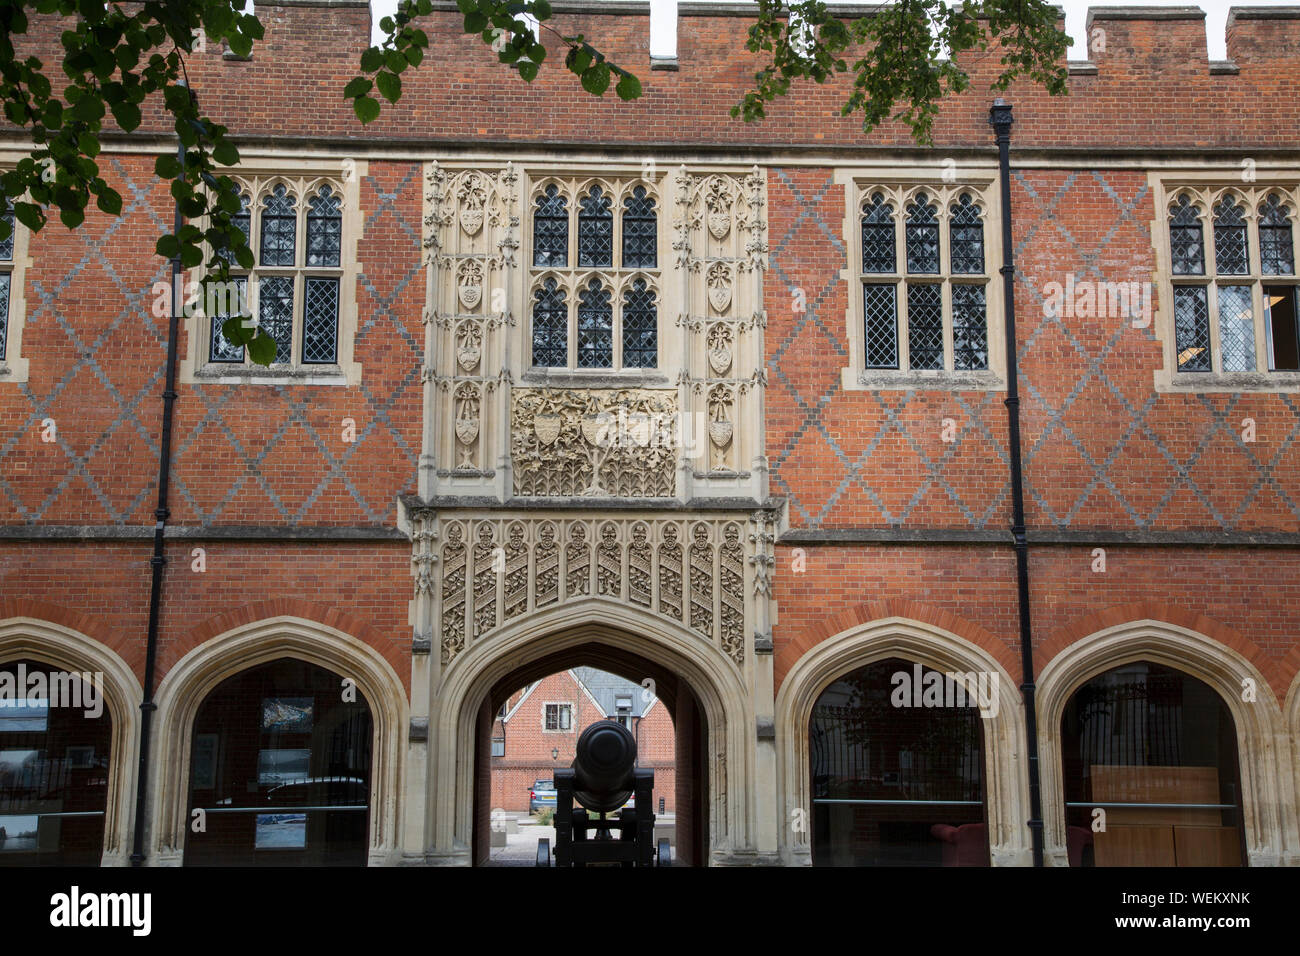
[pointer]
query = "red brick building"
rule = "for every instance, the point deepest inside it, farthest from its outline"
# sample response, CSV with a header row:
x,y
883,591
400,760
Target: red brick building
x,y
538,729
571,382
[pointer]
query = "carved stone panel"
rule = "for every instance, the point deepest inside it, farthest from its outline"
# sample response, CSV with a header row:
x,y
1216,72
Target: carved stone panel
x,y
594,442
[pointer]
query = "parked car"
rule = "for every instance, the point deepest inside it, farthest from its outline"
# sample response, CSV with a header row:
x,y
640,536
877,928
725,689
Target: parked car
x,y
541,795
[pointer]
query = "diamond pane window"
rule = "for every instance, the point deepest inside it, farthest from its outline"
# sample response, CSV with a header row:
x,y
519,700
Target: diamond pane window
x,y
640,327
970,335
275,313
879,305
922,236
7,244
279,228
1230,251
551,229
925,325
1192,329
595,327
966,237
550,326
1282,321
640,231
320,326
595,230
1236,328
220,349
878,252
1276,251
1186,240
6,280
324,228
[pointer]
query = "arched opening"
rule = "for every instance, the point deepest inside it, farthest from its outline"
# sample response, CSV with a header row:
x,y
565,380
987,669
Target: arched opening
x,y
1150,770
896,754
56,737
685,790
280,769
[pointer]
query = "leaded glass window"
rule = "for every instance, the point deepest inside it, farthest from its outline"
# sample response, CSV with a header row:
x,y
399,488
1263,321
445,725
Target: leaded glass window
x,y
1236,328
595,326
220,349
324,228
1186,239
320,329
966,237
551,229
1192,329
275,313
279,228
922,236
1231,252
550,326
640,326
595,230
243,221
6,281
604,321
878,252
879,305
7,243
1276,251
970,337
925,325
640,231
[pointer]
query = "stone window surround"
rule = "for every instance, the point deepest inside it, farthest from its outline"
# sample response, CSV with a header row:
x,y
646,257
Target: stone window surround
x,y
1202,183
14,366
944,183
303,177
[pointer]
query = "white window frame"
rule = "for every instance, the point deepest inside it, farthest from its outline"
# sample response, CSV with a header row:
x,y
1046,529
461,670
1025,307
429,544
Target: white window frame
x,y
14,366
560,705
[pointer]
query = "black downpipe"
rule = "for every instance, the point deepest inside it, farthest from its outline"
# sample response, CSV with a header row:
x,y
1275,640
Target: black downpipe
x,y
1000,120
159,560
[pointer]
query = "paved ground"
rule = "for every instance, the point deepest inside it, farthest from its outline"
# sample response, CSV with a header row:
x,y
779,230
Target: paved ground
x,y
521,847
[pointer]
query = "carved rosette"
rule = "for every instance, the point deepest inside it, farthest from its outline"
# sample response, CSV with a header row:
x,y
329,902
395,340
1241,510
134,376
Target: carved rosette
x,y
594,442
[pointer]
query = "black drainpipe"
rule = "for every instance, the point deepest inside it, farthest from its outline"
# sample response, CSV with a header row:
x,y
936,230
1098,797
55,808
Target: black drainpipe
x,y
159,560
1000,120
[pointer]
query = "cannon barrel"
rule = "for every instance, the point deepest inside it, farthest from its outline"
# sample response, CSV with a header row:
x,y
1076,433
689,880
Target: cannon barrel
x,y
604,767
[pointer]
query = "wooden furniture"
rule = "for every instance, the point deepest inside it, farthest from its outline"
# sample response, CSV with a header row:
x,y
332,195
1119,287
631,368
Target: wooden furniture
x,y
1160,835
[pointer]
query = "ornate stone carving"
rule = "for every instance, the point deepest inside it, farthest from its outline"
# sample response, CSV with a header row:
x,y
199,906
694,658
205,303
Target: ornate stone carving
x,y
485,582
467,421
720,348
718,198
469,283
469,345
731,591
719,282
516,601
547,561
609,562
702,581
639,570
471,191
670,575
577,555
721,425
594,442
453,594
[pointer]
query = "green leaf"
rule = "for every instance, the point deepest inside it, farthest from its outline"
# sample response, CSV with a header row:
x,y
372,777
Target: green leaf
x,y
595,80
542,9
166,166
72,218
414,55
578,60
395,61
167,246
262,349
225,154
475,22
236,331
372,59
367,109
109,201
628,88
30,215
390,86
191,256
358,86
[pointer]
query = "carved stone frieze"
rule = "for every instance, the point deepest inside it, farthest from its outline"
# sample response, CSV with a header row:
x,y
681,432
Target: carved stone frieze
x,y
594,442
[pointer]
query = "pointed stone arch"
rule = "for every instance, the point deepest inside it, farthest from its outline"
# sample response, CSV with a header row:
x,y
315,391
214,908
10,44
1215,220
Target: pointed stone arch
x,y
1006,784
717,684
63,647
183,691
1263,749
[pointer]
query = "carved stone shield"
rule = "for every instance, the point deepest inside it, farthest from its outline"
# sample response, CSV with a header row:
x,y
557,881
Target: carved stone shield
x,y
719,224
720,360
547,428
471,220
467,430
469,294
720,433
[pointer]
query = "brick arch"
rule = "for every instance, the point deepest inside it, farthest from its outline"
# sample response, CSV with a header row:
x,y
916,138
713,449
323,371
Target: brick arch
x,y
807,639
318,612
88,625
1122,614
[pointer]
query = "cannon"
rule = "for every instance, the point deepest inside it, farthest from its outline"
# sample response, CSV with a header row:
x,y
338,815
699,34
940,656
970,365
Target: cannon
x,y
601,778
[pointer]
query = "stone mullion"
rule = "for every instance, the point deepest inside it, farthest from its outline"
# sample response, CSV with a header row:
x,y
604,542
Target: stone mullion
x,y
683,262
428,464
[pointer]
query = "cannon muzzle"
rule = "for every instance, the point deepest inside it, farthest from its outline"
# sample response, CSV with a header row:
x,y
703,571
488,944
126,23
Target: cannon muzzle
x,y
604,767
